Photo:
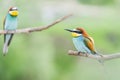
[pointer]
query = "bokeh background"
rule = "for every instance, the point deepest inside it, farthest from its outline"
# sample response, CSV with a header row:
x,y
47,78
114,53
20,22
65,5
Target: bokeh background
x,y
43,55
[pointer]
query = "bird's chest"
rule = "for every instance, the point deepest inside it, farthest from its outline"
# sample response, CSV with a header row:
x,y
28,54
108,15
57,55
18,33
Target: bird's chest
x,y
78,43
10,23
78,39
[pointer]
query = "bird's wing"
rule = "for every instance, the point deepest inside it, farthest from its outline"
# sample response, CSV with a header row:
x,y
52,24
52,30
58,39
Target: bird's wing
x,y
4,22
7,36
89,42
4,27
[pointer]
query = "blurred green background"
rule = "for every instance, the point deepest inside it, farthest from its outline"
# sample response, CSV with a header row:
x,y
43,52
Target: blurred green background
x,y
43,55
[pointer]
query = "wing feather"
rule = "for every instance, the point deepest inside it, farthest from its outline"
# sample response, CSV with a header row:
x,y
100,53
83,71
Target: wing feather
x,y
89,42
4,28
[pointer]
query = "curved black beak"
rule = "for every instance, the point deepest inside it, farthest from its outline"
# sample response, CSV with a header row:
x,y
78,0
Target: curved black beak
x,y
76,31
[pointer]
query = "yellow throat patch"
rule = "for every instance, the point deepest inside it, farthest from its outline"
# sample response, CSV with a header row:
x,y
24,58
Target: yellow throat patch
x,y
14,13
75,34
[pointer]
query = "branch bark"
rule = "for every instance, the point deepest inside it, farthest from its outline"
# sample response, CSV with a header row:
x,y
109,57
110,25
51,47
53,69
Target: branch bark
x,y
34,29
97,57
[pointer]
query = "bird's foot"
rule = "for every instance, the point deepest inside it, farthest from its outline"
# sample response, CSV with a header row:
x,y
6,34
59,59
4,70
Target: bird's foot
x,y
7,31
84,53
79,52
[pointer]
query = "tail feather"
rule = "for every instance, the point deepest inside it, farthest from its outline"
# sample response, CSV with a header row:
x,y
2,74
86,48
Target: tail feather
x,y
7,40
98,54
5,48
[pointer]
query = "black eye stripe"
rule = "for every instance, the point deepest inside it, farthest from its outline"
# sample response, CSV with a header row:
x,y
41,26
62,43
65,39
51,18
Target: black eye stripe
x,y
75,31
78,32
10,9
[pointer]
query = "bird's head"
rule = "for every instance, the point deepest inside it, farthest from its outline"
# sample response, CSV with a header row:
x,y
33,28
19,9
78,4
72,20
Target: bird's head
x,y
13,11
77,32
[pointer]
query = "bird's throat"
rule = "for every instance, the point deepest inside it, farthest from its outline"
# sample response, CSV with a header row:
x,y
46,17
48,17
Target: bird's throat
x,y
75,34
14,13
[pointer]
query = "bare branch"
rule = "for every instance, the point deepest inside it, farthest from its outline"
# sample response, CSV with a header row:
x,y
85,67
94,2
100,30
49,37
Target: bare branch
x,y
28,30
103,57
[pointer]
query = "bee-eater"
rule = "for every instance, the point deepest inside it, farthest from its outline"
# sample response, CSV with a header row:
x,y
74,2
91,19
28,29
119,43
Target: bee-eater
x,y
82,41
10,23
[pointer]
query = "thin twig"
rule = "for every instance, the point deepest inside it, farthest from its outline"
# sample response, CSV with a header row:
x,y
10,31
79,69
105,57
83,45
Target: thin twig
x,y
34,29
97,57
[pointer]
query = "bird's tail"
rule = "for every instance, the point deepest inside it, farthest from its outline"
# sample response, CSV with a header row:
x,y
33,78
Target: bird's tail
x,y
100,55
7,40
5,48
100,60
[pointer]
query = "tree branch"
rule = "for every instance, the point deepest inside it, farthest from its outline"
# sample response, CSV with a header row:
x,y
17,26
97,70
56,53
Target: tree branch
x,y
103,57
34,29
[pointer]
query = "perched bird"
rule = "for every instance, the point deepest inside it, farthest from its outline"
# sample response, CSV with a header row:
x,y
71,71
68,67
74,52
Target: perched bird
x,y
82,41
10,23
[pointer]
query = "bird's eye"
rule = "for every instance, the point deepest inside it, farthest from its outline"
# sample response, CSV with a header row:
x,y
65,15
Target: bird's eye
x,y
10,9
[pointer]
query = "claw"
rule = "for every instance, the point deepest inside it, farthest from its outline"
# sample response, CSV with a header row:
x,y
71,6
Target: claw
x,y
79,52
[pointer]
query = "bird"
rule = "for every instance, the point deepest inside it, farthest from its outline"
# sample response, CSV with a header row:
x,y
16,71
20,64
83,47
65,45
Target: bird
x,y
10,23
82,41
